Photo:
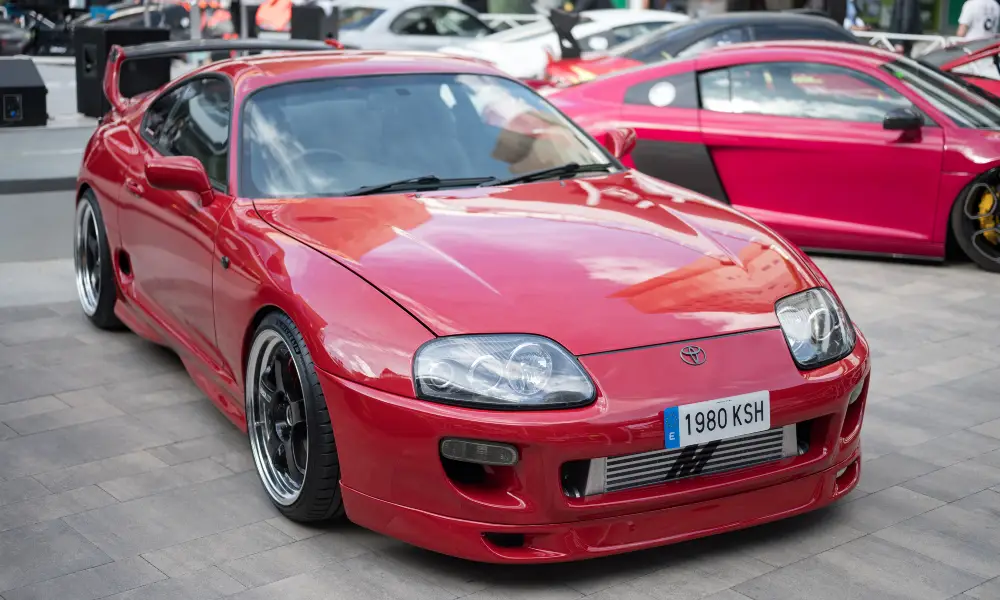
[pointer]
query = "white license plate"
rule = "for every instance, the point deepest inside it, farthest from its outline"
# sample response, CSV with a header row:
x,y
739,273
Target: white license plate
x,y
714,420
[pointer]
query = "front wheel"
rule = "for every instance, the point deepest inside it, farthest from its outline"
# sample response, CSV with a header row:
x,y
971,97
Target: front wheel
x,y
975,223
289,426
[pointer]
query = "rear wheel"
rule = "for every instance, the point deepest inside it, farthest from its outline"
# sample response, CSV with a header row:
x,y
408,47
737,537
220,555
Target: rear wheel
x,y
289,426
95,278
975,224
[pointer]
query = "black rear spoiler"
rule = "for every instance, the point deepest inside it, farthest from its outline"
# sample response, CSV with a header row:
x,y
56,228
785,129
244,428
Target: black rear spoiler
x,y
119,54
563,23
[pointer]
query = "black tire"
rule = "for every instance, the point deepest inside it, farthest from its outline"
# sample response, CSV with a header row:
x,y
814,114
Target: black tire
x,y
318,497
976,247
97,304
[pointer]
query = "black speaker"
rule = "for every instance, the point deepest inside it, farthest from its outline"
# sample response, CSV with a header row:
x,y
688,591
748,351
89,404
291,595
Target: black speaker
x,y
93,44
236,14
22,94
311,22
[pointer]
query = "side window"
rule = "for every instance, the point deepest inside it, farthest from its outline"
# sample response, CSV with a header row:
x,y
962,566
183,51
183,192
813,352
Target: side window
x,y
804,90
599,42
198,126
157,114
791,31
674,91
725,37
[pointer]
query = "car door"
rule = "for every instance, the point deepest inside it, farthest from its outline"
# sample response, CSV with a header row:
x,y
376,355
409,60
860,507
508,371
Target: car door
x,y
431,27
169,236
801,146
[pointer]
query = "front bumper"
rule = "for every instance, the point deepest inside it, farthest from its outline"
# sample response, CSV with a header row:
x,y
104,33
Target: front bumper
x,y
394,480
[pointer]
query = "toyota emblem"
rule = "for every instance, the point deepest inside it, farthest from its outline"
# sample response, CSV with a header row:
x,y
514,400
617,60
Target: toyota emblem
x,y
693,355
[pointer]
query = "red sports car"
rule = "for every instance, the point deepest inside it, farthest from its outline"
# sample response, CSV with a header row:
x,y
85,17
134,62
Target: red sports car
x,y
836,146
977,62
439,307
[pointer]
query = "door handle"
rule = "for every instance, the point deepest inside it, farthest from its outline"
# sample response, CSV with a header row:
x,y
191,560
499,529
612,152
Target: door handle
x,y
133,187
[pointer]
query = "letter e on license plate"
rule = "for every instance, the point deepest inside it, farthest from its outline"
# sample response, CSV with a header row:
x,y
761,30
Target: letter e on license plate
x,y
715,420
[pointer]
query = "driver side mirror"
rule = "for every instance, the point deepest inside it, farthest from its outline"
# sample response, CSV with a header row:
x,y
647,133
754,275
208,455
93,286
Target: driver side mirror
x,y
902,119
180,173
619,142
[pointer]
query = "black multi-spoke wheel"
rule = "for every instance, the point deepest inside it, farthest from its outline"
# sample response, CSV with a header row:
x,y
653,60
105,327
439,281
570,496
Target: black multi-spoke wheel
x,y
95,284
975,224
289,427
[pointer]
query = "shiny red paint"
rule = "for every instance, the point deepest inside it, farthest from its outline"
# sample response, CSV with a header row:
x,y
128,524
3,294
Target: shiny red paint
x,y
824,184
988,84
569,71
618,268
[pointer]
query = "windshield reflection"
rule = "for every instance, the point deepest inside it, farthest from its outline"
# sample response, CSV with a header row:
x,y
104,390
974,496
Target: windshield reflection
x,y
327,137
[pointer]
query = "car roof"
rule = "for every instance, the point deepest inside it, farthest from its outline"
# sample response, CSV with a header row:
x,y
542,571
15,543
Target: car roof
x,y
812,48
267,69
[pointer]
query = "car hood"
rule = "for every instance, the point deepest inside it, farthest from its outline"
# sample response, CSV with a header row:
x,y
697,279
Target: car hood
x,y
584,69
598,263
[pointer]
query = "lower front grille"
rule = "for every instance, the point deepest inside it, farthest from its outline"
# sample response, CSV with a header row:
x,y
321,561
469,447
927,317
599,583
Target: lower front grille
x,y
629,471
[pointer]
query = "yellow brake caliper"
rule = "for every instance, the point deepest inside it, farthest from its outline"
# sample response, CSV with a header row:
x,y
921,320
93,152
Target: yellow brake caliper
x,y
988,219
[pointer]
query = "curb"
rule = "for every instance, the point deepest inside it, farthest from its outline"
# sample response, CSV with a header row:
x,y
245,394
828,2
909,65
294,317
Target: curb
x,y
36,186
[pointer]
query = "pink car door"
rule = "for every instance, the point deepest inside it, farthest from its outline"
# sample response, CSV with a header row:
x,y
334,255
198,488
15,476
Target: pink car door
x,y
801,146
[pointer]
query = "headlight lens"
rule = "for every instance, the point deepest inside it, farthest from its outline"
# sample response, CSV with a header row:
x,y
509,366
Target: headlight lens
x,y
501,372
816,328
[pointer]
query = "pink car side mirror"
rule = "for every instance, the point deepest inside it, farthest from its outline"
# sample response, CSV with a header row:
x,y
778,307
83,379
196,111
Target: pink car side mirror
x,y
619,142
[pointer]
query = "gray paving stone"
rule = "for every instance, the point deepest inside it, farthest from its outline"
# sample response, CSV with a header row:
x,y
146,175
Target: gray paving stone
x,y
31,407
239,461
965,540
891,469
952,448
863,569
209,584
988,591
626,592
986,502
44,551
90,584
221,547
288,561
700,575
784,542
99,471
161,480
955,482
883,509
203,447
57,419
21,489
171,518
187,421
76,445
54,506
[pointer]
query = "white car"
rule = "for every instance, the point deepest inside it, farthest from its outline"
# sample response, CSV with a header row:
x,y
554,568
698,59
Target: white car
x,y
523,51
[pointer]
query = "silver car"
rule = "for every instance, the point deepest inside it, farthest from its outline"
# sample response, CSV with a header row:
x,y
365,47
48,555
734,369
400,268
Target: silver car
x,y
407,24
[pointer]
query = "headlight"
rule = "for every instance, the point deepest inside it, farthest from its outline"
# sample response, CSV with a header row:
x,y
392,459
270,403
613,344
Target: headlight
x,y
816,328
501,372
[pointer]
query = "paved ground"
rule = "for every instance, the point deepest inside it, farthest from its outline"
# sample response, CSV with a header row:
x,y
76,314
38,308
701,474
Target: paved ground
x,y
118,479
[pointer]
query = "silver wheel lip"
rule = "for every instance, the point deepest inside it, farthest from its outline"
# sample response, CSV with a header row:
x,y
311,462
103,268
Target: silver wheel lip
x,y
278,487
88,293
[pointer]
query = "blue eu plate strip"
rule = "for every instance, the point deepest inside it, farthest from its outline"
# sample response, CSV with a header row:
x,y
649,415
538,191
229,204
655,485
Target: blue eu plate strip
x,y
671,428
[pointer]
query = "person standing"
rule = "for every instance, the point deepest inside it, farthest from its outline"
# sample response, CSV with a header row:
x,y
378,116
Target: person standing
x,y
979,19
906,19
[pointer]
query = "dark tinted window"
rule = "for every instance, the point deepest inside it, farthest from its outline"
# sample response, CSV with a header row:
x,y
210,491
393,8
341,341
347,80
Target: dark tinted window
x,y
675,91
965,104
158,112
332,136
799,31
198,126
439,20
357,17
804,90
733,35
617,36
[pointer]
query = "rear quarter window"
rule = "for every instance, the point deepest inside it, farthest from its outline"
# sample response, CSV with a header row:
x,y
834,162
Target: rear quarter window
x,y
674,91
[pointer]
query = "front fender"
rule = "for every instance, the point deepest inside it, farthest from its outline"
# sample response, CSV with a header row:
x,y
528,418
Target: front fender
x,y
352,330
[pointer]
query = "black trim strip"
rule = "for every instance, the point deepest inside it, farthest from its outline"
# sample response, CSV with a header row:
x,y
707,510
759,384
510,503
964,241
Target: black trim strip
x,y
37,186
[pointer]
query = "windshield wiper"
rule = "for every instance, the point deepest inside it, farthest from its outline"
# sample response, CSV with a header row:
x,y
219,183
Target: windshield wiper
x,y
565,170
424,182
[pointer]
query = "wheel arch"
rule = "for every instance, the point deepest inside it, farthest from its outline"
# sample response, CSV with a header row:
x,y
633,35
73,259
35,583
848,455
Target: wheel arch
x,y
952,248
258,318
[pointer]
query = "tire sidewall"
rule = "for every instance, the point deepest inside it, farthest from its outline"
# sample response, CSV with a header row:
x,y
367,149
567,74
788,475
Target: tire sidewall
x,y
104,315
958,224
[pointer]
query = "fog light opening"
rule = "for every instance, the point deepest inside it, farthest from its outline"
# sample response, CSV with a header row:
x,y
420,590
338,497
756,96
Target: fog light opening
x,y
480,453
505,540
856,392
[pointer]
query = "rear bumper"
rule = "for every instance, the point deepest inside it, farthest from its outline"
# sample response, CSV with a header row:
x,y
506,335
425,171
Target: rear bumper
x,y
601,537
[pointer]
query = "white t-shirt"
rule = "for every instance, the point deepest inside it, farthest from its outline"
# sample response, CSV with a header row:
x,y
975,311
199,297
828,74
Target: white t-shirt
x,y
981,17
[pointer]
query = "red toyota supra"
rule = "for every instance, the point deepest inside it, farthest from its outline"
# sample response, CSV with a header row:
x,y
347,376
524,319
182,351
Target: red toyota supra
x,y
441,309
838,147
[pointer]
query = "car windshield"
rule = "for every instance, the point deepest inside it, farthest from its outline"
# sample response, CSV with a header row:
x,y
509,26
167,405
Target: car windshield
x,y
330,137
353,18
631,47
965,104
